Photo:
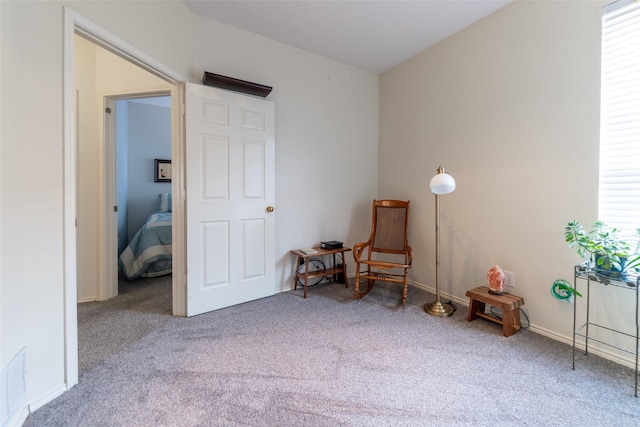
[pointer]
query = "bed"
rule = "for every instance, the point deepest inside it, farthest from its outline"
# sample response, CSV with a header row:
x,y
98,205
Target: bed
x,y
149,252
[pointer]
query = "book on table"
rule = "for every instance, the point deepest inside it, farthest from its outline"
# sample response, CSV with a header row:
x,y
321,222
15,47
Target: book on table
x,y
308,251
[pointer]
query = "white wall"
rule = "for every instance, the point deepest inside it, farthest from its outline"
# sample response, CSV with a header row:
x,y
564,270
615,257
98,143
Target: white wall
x,y
326,144
31,221
510,106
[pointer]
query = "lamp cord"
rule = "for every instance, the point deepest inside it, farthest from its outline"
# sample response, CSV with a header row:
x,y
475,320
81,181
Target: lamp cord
x,y
320,266
452,305
320,261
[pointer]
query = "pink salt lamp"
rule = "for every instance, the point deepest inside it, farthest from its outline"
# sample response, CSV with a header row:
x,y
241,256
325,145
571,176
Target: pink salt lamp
x,y
495,277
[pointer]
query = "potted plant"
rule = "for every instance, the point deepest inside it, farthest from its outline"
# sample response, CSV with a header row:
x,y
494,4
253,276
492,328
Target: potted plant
x,y
608,253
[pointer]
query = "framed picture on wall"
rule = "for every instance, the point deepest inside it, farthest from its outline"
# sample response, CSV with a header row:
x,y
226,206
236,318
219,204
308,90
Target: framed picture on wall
x,y
162,170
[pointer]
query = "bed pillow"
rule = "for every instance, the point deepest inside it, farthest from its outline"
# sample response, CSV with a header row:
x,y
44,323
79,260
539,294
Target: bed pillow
x,y
164,203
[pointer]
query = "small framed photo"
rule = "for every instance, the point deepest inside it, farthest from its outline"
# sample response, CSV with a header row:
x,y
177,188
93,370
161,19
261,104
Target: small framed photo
x,y
162,170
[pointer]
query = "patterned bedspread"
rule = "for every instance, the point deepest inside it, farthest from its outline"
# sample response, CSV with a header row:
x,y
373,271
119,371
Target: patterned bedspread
x,y
149,252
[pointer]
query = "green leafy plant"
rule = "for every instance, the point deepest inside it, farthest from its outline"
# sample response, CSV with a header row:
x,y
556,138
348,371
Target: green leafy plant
x,y
603,246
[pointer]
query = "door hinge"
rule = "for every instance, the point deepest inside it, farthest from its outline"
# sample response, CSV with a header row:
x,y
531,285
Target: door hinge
x,y
115,209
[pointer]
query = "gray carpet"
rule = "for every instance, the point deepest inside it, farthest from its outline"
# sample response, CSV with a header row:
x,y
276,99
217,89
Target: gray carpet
x,y
110,327
327,360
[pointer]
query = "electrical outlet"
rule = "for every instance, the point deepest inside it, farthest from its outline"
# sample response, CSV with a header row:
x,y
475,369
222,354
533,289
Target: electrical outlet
x,y
509,279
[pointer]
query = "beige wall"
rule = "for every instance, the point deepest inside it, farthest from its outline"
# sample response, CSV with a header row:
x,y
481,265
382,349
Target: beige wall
x,y
99,73
326,124
510,106
88,146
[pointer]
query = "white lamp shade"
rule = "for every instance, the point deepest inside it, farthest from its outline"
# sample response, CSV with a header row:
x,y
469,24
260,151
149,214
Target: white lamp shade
x,y
442,183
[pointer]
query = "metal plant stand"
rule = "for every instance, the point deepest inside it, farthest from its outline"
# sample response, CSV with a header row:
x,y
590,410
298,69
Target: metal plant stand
x,y
586,273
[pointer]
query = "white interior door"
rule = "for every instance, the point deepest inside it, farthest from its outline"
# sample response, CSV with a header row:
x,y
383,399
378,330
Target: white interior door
x,y
230,161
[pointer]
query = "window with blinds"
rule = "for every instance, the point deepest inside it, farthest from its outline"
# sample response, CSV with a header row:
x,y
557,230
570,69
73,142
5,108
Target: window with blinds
x,y
619,195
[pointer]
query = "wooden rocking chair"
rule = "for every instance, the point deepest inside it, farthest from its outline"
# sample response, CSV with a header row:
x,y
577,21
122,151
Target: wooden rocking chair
x,y
390,238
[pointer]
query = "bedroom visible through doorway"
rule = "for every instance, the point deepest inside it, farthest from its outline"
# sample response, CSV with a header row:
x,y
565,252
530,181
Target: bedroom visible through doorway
x,y
106,86
143,151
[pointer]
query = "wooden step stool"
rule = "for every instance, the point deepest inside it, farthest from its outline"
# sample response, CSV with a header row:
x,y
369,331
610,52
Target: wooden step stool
x,y
510,305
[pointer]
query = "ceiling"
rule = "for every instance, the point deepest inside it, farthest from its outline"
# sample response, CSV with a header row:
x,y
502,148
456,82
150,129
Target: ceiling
x,y
371,35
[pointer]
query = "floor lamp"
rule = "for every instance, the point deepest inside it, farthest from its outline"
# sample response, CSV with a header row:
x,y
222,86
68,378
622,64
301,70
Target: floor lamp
x,y
441,183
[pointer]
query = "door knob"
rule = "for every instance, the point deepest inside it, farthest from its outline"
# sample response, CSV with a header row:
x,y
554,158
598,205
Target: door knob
x,y
270,209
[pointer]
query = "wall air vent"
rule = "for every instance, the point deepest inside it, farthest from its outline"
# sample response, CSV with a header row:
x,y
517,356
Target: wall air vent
x,y
13,405
237,85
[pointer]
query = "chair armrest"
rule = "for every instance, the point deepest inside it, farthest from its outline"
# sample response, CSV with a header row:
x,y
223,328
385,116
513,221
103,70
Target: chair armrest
x,y
358,250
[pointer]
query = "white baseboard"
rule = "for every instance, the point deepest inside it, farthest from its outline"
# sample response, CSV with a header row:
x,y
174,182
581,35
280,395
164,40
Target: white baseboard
x,y
593,349
46,398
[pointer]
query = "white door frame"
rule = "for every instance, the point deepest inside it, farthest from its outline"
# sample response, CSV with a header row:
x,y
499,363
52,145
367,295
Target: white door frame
x,y
77,24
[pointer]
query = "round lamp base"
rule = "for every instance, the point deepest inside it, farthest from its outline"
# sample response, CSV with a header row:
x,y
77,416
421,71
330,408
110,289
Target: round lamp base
x,y
438,309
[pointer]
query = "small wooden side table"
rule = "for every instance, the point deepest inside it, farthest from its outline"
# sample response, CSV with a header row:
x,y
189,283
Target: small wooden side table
x,y
510,305
306,274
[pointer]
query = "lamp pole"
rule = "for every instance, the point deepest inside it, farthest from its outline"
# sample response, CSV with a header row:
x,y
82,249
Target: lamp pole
x,y
439,186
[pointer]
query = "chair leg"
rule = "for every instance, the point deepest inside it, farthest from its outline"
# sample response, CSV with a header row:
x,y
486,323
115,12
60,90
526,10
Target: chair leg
x,y
356,293
404,288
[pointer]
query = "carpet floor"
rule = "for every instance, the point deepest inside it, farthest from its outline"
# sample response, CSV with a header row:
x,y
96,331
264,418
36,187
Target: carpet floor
x,y
327,360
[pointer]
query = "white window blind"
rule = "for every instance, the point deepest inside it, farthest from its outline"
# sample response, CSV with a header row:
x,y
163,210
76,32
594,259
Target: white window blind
x,y
619,195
